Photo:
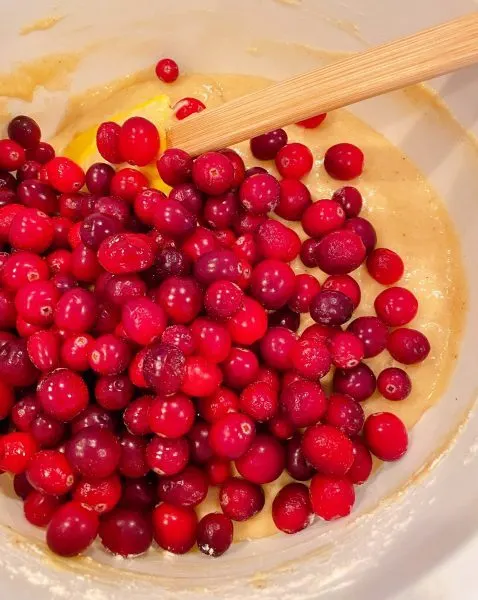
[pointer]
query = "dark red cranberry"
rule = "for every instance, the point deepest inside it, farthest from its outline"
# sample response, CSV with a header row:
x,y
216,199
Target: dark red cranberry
x,y
284,318
181,337
295,462
291,508
272,283
365,230
309,252
408,346
138,494
96,228
72,529
16,368
181,298
222,299
217,265
394,384
361,468
266,146
43,153
331,308
164,368
372,332
132,462
221,211
214,534
188,195
241,499
113,207
126,532
344,413
276,347
175,166
47,432
93,416
25,131
75,352
259,194
350,199
344,161
113,392
93,452
359,382
264,460
220,403
35,194
188,488
340,252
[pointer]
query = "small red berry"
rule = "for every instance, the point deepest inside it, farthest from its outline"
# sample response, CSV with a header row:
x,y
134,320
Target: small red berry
x,y
266,146
344,161
12,155
65,175
138,141
232,435
263,461
345,284
340,252
259,401
291,508
171,417
100,495
408,346
327,449
358,382
313,122
240,499
50,472
16,451
40,508
72,529
294,161
214,534
361,468
394,384
350,199
174,527
294,199
304,403
396,306
385,266
311,358
167,70
386,436
322,217
186,107
346,350
345,414
259,194
331,497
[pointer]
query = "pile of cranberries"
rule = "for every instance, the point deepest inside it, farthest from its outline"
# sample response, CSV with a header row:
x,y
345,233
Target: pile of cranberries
x,y
149,344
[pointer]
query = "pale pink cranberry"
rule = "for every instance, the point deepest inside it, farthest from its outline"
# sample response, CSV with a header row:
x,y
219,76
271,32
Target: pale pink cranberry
x,y
272,283
201,378
264,460
164,368
294,199
327,449
385,266
331,497
396,306
346,350
126,532
188,488
358,382
240,368
291,508
372,332
345,284
408,346
276,347
109,355
350,199
344,161
303,402
232,435
331,308
240,499
394,384
181,298
62,394
93,452
249,323
386,436
211,339
167,457
294,161
214,534
259,194
365,230
213,173
295,462
276,241
266,146
171,417
259,401
126,253
322,217
72,529
311,358
174,527
340,252
345,414
361,468
306,288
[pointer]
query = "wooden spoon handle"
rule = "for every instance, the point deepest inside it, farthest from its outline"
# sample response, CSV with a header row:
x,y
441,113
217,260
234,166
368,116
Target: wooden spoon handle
x,y
382,69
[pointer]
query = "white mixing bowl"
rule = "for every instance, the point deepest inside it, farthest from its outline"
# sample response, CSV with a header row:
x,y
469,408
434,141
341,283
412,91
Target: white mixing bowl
x,y
386,544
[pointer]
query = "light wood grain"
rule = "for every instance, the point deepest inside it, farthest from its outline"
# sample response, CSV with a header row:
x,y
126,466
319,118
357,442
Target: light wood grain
x,y
382,69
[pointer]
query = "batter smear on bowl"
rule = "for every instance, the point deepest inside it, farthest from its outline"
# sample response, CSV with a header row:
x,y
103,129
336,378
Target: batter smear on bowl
x,y
196,350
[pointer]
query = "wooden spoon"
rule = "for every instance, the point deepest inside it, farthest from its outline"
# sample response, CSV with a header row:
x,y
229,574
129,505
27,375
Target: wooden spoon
x,y
388,67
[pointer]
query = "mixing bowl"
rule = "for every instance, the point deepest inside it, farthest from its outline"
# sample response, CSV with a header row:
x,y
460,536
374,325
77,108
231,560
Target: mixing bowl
x,y
413,513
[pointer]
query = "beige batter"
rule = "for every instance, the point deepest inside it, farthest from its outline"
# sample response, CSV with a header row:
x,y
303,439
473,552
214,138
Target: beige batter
x,y
407,213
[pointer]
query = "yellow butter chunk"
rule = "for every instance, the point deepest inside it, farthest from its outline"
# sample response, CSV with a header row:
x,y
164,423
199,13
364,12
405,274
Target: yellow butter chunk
x,y
82,148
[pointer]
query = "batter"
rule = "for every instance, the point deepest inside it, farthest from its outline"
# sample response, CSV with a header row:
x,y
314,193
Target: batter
x,y
405,210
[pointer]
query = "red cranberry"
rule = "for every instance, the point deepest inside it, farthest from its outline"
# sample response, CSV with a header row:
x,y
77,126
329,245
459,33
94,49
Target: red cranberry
x,y
76,311
294,161
175,166
263,462
295,462
294,199
365,230
245,247
98,178
164,368
171,417
220,403
167,456
64,175
31,230
94,452
345,284
12,155
238,166
361,468
202,377
21,487
200,242
99,495
350,199
199,441
331,497
120,289
167,70
42,153
276,347
266,146
259,401
24,411
93,416
260,194
25,131
344,161
339,252
213,173
84,264
35,302
145,204
303,402
127,183
75,352
306,288
346,350
222,299
396,306
43,350
241,368
107,141
284,317
132,462
172,218
214,534
143,321
39,508
358,382
188,488
135,369
49,472
35,194
394,384
16,368
22,268
126,532
272,283
310,358
138,141
221,211
408,346
345,414
138,494
16,452
276,241
96,228
113,207
181,337
181,298
212,340
372,332
47,432
249,323
168,262
386,436
248,223
291,508
188,195
59,262
232,435
113,392
8,312
218,470
331,308
136,416
63,394
327,449
72,529
174,527
240,499
186,107
109,355
126,253
385,266
8,182
313,122
323,217
280,426
217,265
70,206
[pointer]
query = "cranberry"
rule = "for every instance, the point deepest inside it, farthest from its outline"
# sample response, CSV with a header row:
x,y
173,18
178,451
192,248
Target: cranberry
x,y
361,468
16,368
113,392
313,122
109,355
284,317
346,350
132,462
222,299
107,141
263,462
62,394
127,183
43,350
291,508
220,403
7,197
396,306
266,146
241,499
372,332
181,298
22,268
120,289
238,166
311,358
98,178
72,529
96,228
126,253
186,107
174,527
94,452
136,416
31,230
93,416
344,161
218,470
7,215
70,206
260,194
64,175
350,199
35,194
218,265
76,311
306,288
345,284
99,495
281,427
272,283
241,368
331,497
365,230
221,211
213,173
135,369
212,340
294,161
8,312
327,449
199,442
21,487
232,435
43,153
175,166
59,261
188,195
188,488
323,217
339,252
164,368
268,376
35,302
49,472
138,141
8,182
40,508
167,70
202,377
25,131
47,432
84,264
276,241
294,199
171,417
16,451
386,436
345,414
394,384
181,337
408,346
126,532
168,262
331,308
114,207
24,412
167,456
145,204
385,266
214,534
29,171
75,352
143,321
259,401
12,155
358,382
276,347
295,462
248,223
303,402
138,494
